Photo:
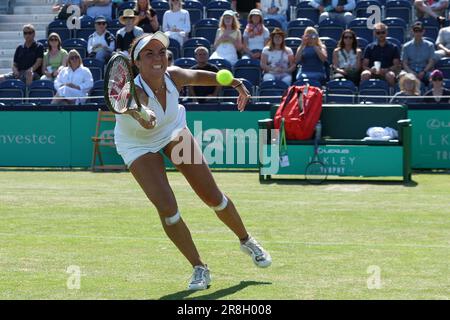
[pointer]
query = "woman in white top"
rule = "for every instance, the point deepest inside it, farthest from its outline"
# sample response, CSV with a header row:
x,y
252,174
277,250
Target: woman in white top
x,y
255,35
277,60
347,57
73,81
142,149
228,38
275,9
176,21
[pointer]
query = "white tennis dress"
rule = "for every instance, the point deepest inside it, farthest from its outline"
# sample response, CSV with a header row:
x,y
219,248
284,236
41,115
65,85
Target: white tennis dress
x,y
133,141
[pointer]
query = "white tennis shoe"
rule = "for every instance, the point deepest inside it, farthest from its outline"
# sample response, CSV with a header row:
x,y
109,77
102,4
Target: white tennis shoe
x,y
260,256
201,278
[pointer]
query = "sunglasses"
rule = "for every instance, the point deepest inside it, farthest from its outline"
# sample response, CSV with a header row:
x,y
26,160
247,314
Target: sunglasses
x,y
417,30
28,32
437,79
101,23
74,58
380,32
348,37
53,39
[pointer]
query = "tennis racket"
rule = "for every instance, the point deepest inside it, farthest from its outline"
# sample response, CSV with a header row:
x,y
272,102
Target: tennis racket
x,y
316,171
120,92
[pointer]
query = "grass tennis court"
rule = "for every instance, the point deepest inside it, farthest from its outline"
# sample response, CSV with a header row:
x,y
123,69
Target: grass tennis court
x,y
322,238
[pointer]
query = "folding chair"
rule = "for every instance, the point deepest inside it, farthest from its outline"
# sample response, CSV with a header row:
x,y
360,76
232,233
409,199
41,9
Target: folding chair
x,y
103,141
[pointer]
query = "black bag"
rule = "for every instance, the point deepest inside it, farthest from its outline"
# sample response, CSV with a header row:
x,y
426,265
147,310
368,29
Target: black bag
x,y
62,14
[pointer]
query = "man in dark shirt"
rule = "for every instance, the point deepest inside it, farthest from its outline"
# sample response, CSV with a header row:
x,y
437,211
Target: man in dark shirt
x,y
243,7
27,58
202,56
127,34
381,58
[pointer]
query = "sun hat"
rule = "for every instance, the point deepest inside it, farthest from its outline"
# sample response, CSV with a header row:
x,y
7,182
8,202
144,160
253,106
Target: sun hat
x,y
127,13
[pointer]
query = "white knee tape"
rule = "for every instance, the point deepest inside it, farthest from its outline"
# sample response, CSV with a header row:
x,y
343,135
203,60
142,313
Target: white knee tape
x,y
222,205
173,219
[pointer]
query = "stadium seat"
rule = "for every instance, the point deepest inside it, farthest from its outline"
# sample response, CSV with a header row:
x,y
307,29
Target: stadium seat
x,y
341,86
195,9
331,28
59,27
272,24
293,43
396,42
78,44
114,26
230,92
248,69
41,89
272,88
305,11
206,28
215,9
12,89
331,44
185,63
396,28
444,66
97,91
303,81
44,42
221,64
175,47
431,27
359,26
95,66
123,6
296,28
362,5
373,87
87,27
160,7
191,44
399,9
362,43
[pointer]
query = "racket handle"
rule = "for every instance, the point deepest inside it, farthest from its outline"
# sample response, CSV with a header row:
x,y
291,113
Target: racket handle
x,y
318,130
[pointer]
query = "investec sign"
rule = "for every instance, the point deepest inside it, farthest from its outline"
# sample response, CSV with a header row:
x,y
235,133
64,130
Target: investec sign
x,y
27,139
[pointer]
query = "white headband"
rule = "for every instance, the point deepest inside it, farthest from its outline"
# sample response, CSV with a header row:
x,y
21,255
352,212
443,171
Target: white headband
x,y
160,36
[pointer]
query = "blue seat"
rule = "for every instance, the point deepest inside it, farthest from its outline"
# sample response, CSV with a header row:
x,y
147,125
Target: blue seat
x,y
206,28
362,43
59,27
273,84
248,69
396,42
359,26
272,24
396,28
296,28
331,28
444,66
362,5
44,42
175,47
87,24
215,9
331,44
221,64
78,44
230,92
191,44
123,6
272,88
114,26
293,43
431,27
195,9
399,9
373,87
341,87
97,91
41,89
160,7
185,63
95,66
12,89
303,81
304,10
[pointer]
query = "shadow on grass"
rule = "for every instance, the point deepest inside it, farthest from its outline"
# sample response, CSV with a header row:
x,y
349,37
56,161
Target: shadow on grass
x,y
281,181
184,295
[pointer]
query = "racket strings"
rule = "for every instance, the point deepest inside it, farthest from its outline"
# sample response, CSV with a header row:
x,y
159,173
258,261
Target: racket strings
x,y
119,87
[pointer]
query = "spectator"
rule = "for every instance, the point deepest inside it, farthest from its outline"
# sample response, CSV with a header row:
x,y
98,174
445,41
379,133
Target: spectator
x,y
383,52
275,9
228,38
202,55
431,8
311,54
62,5
27,65
277,60
73,81
95,8
409,86
169,58
443,44
244,7
101,43
147,19
176,22
418,54
255,35
437,93
347,57
127,34
340,10
55,58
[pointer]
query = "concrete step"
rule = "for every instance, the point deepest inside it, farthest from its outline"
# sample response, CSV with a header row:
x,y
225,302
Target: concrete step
x,y
7,53
12,44
18,35
41,26
35,2
5,70
6,63
32,10
26,18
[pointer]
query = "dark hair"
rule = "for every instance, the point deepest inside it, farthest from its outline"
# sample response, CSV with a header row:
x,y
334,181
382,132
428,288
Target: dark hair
x,y
341,43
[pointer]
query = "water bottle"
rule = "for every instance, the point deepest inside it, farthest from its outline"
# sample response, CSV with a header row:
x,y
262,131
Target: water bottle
x,y
318,130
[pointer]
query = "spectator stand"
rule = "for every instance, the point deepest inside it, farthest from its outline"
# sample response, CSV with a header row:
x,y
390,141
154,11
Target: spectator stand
x,y
206,28
41,89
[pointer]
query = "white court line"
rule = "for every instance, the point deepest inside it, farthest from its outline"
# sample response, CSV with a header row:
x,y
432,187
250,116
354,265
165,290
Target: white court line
x,y
405,245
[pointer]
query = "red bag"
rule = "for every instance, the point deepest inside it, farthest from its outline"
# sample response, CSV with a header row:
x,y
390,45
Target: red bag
x,y
300,114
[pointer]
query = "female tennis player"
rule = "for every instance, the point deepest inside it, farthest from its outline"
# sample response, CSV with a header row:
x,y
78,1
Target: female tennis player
x,y
158,88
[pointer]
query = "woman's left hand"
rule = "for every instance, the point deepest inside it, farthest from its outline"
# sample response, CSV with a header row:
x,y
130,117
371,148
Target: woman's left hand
x,y
244,97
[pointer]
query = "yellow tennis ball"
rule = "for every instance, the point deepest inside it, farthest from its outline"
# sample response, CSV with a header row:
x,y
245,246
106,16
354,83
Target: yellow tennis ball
x,y
224,77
